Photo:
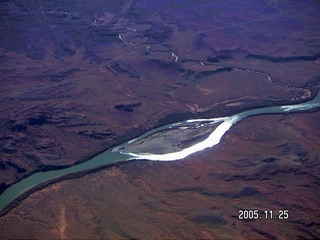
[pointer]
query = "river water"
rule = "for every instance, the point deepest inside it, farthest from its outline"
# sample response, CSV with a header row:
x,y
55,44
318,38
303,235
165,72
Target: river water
x,y
114,155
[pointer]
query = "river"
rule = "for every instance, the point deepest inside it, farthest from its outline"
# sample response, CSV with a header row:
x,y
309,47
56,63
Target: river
x,y
115,154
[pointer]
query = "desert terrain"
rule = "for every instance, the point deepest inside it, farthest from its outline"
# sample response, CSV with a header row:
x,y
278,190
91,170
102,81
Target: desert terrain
x,y
80,77
198,197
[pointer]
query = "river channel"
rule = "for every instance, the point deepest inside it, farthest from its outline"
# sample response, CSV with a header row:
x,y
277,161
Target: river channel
x,y
120,153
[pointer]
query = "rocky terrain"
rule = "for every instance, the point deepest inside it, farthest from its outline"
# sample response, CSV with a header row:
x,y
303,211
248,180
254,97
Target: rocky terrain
x,y
79,77
198,197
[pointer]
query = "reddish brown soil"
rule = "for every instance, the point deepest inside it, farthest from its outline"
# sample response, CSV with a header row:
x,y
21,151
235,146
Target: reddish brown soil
x,y
67,81
71,88
264,163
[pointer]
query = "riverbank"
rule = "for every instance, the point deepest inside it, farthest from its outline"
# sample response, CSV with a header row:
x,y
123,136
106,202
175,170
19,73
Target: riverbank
x,y
219,110
42,185
213,139
262,163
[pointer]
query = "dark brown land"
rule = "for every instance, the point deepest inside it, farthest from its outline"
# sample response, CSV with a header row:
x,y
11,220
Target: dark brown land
x,y
59,107
198,197
72,87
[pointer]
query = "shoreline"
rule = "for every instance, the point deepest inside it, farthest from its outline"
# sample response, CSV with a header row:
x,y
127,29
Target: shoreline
x,y
14,203
171,118
166,120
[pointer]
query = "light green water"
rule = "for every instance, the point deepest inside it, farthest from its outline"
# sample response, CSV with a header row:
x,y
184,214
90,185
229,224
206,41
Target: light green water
x,y
109,156
15,190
